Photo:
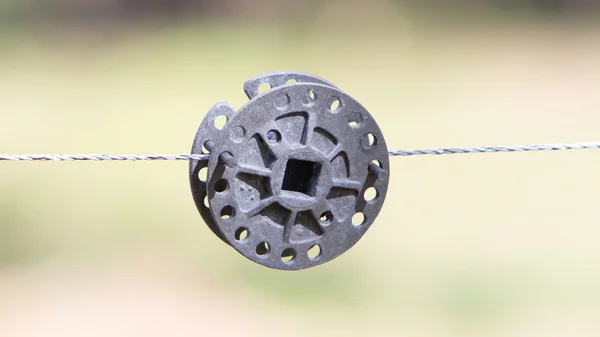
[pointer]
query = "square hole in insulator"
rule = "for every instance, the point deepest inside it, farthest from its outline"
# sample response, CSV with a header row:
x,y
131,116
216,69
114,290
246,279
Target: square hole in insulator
x,y
301,176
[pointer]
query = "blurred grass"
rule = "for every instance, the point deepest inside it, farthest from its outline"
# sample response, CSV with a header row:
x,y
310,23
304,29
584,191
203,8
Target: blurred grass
x,y
502,243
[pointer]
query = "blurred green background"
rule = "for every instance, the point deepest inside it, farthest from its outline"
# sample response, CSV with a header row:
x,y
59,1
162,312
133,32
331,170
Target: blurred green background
x,y
474,245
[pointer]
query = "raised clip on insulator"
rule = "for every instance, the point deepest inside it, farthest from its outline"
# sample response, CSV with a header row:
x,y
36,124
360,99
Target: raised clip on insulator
x,y
295,177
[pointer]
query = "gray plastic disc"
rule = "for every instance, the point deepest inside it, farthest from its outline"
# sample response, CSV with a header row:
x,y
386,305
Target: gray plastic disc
x,y
295,177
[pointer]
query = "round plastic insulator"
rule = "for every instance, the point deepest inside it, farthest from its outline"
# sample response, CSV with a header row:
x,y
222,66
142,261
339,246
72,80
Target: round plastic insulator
x,y
295,177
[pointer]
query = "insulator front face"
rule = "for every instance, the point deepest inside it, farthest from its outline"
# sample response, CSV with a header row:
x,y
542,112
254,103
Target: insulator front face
x,y
295,177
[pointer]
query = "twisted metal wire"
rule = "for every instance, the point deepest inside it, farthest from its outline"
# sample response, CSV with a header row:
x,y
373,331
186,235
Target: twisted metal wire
x,y
488,149
100,157
404,153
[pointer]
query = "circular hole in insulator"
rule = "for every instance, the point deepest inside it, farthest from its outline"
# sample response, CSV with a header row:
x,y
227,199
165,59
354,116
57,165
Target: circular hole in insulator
x,y
309,98
326,217
264,87
227,212
273,136
371,194
291,81
288,255
221,185
368,141
203,174
314,252
263,248
241,234
206,202
334,104
220,122
354,119
377,162
358,219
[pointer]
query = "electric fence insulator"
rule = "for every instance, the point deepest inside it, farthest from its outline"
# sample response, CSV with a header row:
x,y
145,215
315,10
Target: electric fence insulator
x,y
295,177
